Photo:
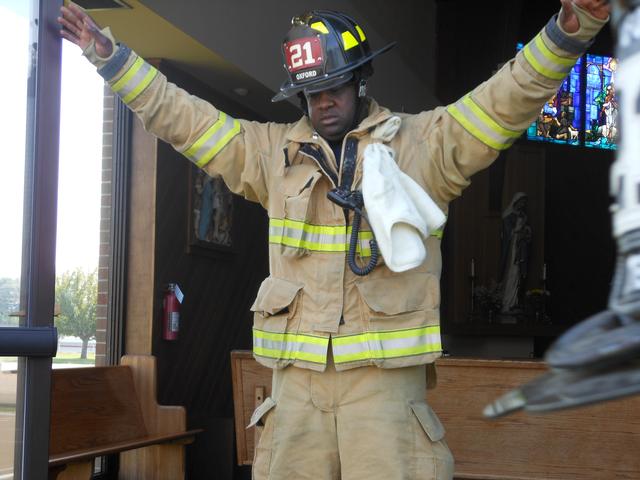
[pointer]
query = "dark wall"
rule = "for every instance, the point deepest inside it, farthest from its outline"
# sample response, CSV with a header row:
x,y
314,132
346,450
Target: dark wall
x,y
473,38
215,319
578,243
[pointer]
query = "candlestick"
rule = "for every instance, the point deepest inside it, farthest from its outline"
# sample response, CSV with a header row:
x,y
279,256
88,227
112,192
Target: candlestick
x,y
472,285
544,271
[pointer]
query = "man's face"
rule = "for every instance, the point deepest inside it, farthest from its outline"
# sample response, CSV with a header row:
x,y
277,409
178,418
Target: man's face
x,y
332,111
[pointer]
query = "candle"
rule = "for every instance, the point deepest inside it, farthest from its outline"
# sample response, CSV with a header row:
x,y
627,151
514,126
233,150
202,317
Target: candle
x,y
544,271
473,268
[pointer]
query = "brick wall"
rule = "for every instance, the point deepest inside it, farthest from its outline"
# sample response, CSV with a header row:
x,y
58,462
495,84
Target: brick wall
x,y
105,228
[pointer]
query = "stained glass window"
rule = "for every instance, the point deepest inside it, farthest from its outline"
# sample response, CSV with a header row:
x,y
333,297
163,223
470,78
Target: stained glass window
x,y
601,127
561,118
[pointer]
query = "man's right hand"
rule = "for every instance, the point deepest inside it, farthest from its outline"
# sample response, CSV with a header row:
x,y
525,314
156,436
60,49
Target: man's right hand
x,y
79,28
568,19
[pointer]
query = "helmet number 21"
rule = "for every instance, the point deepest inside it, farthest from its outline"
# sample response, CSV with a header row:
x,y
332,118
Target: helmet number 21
x,y
303,53
296,55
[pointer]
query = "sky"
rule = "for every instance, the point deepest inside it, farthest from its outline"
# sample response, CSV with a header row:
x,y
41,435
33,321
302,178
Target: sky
x,y
80,149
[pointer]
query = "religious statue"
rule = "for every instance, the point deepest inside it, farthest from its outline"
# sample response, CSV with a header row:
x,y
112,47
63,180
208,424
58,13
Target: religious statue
x,y
514,258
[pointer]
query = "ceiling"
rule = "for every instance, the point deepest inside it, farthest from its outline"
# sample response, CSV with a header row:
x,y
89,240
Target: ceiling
x,y
236,45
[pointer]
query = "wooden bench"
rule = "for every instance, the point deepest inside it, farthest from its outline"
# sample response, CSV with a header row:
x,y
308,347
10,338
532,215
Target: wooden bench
x,y
596,442
106,410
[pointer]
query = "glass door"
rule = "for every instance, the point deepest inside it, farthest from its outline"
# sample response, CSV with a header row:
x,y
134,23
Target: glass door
x,y
29,126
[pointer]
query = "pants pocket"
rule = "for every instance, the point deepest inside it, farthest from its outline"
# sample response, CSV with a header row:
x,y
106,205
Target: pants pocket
x,y
432,457
263,419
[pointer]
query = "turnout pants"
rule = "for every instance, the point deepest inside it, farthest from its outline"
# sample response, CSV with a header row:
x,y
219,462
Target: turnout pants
x,y
367,423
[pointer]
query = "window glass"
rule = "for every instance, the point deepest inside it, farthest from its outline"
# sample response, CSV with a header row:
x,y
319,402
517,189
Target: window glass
x,y
560,120
19,30
601,102
8,388
79,211
13,119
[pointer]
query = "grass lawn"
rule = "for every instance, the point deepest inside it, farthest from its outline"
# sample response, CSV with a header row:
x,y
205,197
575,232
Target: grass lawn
x,y
75,358
63,358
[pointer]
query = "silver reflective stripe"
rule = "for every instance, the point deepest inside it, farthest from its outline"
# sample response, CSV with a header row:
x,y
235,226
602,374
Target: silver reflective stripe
x,y
302,236
213,140
288,349
545,62
290,346
381,345
135,80
398,343
474,119
390,344
321,238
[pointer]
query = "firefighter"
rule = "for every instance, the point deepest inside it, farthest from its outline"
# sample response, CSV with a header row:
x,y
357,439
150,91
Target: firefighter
x,y
348,351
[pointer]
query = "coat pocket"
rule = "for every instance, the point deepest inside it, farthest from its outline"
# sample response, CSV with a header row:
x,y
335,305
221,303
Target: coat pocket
x,y
399,294
296,188
276,302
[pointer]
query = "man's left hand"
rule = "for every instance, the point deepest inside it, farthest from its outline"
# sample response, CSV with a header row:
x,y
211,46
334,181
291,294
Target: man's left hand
x,y
568,19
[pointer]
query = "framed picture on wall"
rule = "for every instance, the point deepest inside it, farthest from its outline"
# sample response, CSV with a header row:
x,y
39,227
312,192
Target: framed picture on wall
x,y
210,214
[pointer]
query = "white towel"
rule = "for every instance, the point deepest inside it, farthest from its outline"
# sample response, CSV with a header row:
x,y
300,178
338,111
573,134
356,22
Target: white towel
x,y
399,211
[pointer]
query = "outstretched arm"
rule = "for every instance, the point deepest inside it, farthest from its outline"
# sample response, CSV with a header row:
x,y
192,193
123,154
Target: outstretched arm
x,y
213,140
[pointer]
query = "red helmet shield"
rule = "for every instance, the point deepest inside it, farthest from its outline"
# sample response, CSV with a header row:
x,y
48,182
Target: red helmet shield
x,y
304,54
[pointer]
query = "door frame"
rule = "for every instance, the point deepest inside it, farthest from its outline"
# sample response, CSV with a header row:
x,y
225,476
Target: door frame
x,y
39,245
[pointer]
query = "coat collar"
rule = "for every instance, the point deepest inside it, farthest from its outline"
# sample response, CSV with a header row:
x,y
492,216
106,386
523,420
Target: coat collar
x,y
303,132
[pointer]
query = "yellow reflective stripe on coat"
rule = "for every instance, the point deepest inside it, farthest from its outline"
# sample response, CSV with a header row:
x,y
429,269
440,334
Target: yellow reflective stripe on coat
x,y
481,125
386,344
135,80
290,346
545,62
214,139
319,238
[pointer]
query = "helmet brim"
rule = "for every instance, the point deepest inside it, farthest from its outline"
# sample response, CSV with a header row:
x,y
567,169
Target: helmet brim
x,y
328,84
288,90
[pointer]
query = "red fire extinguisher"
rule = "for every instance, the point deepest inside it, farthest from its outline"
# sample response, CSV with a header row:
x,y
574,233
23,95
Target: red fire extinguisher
x,y
171,312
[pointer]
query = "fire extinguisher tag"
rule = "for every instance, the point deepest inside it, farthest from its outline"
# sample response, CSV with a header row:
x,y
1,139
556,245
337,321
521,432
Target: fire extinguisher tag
x,y
174,322
179,294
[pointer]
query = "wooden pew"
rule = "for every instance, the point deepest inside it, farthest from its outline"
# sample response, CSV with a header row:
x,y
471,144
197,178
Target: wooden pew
x,y
597,442
106,410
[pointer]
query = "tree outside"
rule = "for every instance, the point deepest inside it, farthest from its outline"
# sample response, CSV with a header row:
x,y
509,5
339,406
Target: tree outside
x,y
9,300
77,295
